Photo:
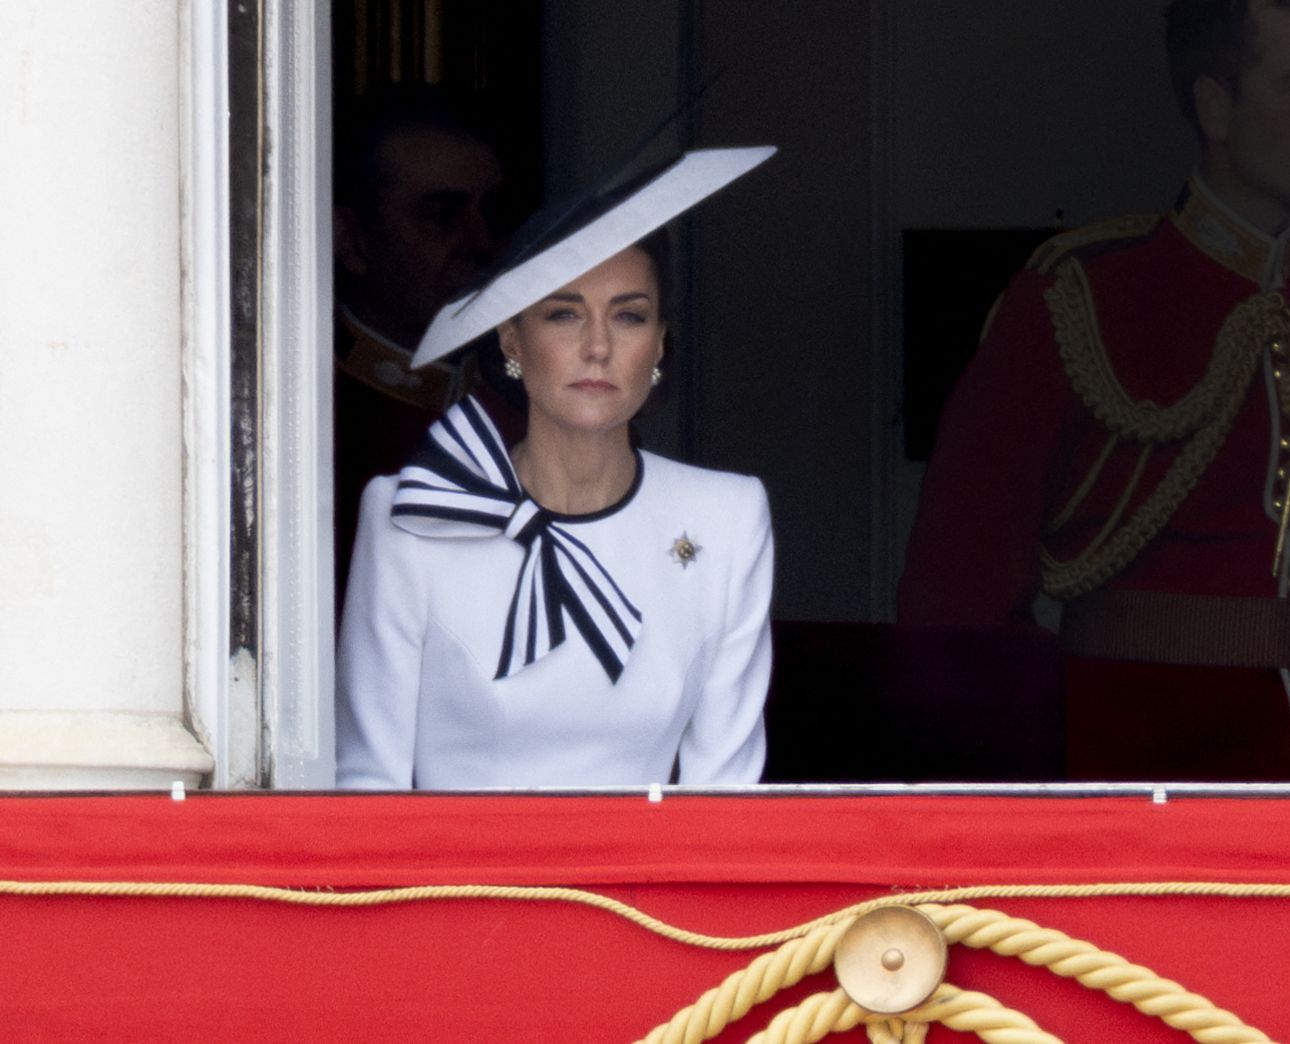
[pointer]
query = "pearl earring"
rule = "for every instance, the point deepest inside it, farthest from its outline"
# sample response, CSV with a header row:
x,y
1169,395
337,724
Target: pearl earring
x,y
512,368
655,377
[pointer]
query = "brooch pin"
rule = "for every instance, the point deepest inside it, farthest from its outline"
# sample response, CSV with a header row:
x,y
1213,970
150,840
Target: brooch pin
x,y
684,550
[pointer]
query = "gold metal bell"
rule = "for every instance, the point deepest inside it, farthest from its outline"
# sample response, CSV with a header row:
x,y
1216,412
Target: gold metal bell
x,y
891,960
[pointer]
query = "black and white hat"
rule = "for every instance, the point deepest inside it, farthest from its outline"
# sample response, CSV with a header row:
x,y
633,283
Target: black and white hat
x,y
561,243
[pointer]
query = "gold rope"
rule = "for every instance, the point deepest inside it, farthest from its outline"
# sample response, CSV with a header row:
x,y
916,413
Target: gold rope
x,y
529,893
1233,361
825,1013
1200,420
1085,487
809,947
1097,969
979,929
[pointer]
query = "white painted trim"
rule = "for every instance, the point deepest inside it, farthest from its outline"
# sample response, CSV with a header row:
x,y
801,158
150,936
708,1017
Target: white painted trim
x,y
297,585
97,750
204,180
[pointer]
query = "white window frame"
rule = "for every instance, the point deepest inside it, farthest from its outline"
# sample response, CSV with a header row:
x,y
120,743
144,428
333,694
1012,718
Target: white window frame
x,y
264,714
297,609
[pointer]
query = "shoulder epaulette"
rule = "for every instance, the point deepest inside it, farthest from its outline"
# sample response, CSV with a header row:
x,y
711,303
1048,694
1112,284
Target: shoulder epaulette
x,y
1099,236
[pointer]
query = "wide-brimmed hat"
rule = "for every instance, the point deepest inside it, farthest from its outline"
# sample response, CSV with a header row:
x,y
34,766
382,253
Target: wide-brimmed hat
x,y
563,242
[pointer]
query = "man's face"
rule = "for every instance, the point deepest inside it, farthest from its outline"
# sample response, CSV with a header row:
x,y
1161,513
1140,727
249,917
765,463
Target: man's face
x,y
430,234
1255,128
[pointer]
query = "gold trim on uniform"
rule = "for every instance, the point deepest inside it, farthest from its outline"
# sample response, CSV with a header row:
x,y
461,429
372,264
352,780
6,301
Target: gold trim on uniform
x,y
1228,240
1050,253
1196,425
384,366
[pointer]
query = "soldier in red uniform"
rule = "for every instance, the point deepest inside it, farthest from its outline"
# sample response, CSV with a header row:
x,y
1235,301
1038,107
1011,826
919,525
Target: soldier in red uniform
x,y
416,220
1122,438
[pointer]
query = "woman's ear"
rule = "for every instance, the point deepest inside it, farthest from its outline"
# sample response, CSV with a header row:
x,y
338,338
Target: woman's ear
x,y
662,339
1213,108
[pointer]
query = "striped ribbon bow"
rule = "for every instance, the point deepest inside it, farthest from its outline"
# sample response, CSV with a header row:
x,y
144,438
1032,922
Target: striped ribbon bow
x,y
461,483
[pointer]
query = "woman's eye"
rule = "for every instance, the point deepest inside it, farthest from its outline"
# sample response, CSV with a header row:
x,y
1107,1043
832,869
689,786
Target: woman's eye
x,y
632,318
556,315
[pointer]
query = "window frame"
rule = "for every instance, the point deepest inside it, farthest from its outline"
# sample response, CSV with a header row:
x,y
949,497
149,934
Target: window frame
x,y
260,701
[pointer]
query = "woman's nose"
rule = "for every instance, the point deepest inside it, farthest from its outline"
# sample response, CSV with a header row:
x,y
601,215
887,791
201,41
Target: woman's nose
x,y
596,344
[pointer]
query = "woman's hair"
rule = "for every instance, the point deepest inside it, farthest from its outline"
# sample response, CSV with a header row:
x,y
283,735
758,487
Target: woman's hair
x,y
658,248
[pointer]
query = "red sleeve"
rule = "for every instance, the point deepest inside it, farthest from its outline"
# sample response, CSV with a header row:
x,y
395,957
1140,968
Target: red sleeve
x,y
973,554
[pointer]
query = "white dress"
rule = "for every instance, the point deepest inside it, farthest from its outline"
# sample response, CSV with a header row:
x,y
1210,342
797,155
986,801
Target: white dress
x,y
419,703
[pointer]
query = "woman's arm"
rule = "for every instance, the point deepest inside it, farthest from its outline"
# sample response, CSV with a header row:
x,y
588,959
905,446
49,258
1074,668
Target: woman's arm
x,y
725,740
378,667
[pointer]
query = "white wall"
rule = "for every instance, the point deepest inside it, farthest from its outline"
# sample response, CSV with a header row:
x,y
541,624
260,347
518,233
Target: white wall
x,y
90,437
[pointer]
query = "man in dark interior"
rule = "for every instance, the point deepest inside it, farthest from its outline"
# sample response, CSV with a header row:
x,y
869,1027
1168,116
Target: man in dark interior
x,y
417,202
1121,441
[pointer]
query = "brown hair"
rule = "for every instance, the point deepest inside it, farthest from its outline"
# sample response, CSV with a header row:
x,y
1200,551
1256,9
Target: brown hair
x,y
1208,38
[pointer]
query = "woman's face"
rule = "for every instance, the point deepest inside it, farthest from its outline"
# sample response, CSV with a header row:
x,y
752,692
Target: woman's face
x,y
586,351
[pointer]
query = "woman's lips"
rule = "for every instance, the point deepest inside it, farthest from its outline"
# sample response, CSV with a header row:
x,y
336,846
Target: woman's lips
x,y
593,385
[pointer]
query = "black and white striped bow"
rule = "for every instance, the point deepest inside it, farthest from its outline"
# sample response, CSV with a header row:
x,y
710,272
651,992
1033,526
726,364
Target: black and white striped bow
x,y
461,483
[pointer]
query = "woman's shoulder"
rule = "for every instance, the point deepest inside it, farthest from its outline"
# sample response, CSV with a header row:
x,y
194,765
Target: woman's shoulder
x,y
667,477
378,495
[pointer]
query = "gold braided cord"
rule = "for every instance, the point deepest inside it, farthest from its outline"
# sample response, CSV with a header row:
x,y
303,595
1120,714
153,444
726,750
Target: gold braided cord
x,y
825,1013
1097,969
1086,486
530,893
764,977
1201,419
896,1032
1121,505
1233,361
809,947
1055,250
785,967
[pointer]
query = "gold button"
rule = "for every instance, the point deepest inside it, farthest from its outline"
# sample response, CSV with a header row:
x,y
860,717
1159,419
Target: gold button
x,y
891,960
1278,347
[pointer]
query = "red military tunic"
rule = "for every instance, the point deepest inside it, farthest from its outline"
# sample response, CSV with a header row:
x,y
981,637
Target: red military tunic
x,y
1121,430
381,412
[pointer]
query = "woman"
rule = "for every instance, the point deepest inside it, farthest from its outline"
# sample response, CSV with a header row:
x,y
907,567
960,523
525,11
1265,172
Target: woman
x,y
574,612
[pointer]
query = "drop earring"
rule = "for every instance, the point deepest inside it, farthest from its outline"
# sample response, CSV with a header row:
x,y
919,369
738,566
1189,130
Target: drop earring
x,y
512,367
655,377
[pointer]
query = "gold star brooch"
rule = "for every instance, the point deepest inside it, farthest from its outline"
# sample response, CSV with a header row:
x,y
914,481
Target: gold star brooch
x,y
684,550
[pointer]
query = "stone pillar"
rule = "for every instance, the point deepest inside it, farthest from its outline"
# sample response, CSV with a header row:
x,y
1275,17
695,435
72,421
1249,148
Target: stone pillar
x,y
91,555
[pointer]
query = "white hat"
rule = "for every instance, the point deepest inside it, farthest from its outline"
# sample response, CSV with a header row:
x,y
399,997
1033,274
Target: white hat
x,y
579,238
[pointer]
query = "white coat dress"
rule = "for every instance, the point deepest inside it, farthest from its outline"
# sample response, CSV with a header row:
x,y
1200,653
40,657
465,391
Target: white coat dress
x,y
419,701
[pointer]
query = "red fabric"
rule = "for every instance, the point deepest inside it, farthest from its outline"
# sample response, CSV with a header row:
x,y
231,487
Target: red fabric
x,y
1015,443
232,970
1143,720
